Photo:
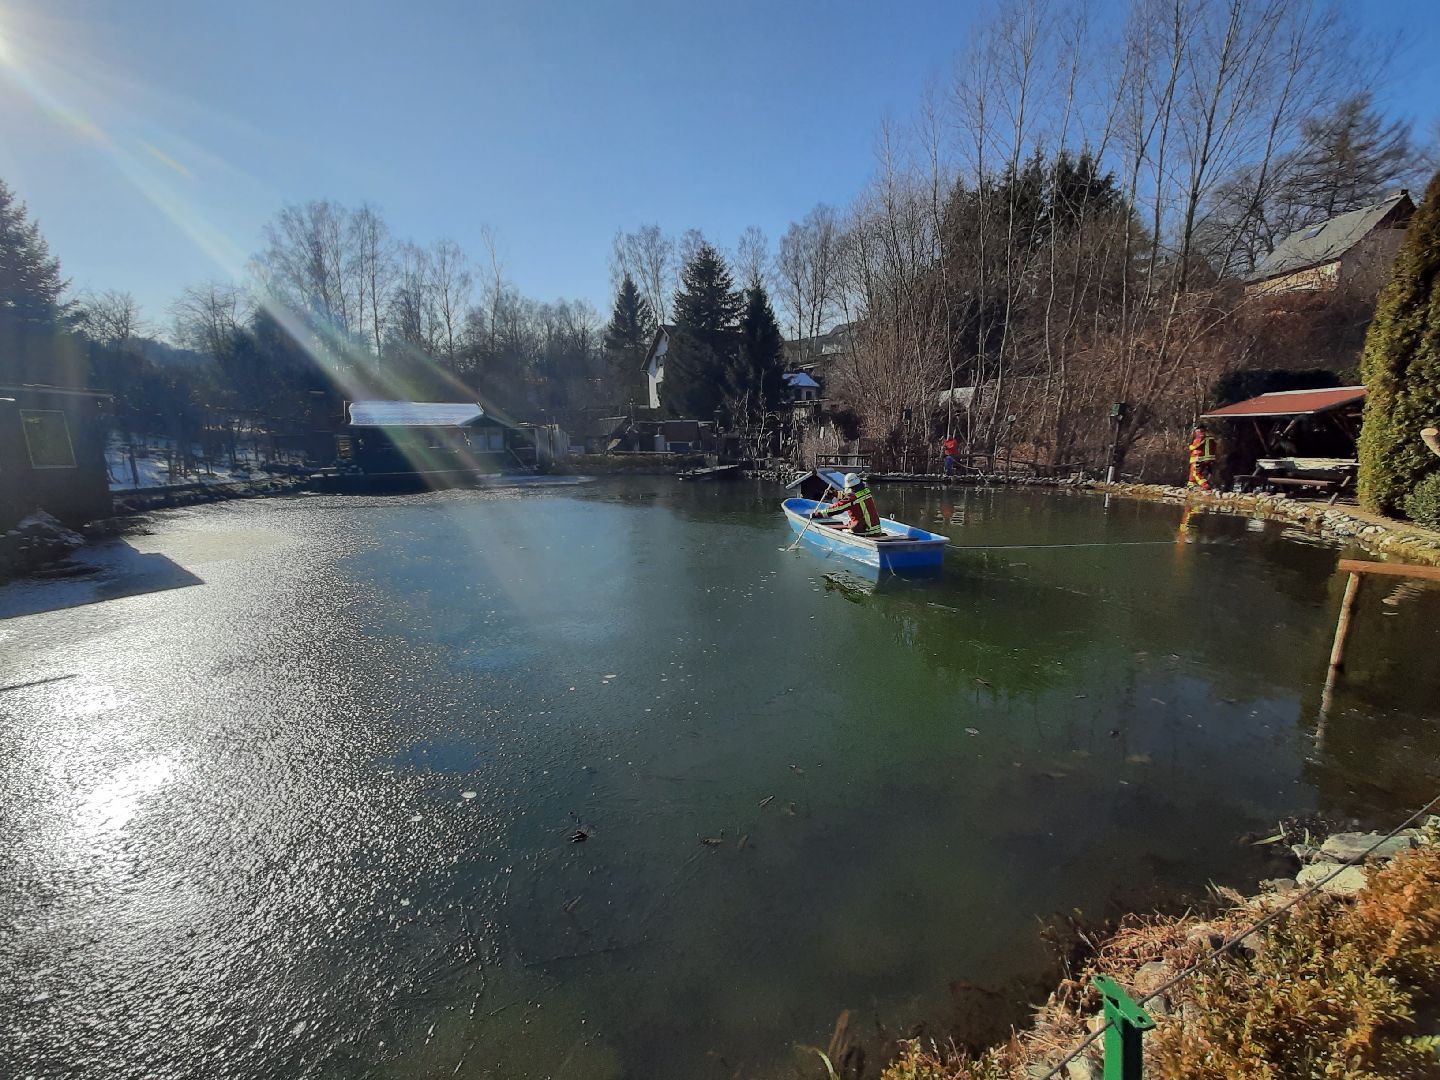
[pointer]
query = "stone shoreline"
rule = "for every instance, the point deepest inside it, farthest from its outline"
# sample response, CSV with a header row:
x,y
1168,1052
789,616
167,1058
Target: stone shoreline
x,y
1379,535
1147,954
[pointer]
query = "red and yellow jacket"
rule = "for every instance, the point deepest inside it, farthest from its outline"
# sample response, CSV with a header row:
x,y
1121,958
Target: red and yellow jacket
x,y
860,505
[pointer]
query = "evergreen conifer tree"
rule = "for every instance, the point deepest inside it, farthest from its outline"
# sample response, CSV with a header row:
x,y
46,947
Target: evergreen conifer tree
x,y
30,281
758,368
703,345
706,300
627,338
1401,367
32,313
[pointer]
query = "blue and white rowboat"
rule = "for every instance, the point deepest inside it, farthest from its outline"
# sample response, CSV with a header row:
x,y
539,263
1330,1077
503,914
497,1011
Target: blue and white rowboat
x,y
903,547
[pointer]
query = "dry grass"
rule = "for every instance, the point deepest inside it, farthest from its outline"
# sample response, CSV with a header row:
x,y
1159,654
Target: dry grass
x,y
1332,989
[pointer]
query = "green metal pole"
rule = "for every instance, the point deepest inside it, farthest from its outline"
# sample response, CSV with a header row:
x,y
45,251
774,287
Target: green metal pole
x,y
1128,1022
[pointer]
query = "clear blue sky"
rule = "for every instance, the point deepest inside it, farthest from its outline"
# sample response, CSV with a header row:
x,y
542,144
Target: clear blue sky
x,y
152,139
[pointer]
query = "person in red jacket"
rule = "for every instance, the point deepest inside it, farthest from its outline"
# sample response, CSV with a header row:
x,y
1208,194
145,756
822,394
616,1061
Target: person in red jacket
x,y
950,447
859,504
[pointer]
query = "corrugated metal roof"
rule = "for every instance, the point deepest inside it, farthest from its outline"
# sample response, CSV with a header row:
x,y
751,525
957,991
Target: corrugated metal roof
x,y
415,413
1290,403
1315,245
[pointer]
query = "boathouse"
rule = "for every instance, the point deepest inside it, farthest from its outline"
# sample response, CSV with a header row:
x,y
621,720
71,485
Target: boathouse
x,y
433,440
52,454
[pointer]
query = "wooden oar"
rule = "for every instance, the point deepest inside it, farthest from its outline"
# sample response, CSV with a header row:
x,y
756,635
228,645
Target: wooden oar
x,y
828,488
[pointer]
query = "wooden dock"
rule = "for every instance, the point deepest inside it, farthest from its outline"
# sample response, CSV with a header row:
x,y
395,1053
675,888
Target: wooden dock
x,y
711,472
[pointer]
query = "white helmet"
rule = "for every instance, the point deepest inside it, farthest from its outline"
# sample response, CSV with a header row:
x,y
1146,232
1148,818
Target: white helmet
x,y
851,481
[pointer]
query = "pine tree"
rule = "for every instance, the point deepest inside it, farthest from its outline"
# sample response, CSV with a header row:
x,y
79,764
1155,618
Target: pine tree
x,y
757,374
30,281
1401,367
706,301
703,345
695,368
32,314
627,337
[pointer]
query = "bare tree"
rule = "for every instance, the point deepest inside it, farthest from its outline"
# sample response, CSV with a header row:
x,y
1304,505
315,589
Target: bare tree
x,y
111,317
452,284
309,263
691,241
374,268
648,256
751,258
412,320
807,270
206,317
494,288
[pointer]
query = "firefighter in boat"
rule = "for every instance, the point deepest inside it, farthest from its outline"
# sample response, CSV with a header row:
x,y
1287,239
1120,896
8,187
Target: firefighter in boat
x,y
859,504
1202,459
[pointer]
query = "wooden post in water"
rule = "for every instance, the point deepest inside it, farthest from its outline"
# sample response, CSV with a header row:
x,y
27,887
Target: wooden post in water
x,y
1356,568
1337,656
1342,626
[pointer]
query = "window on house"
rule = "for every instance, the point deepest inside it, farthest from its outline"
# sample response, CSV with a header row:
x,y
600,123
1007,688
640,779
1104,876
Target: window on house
x,y
47,437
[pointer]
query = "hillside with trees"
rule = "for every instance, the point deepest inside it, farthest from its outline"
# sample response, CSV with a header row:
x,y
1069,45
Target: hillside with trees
x,y
1058,233
1064,224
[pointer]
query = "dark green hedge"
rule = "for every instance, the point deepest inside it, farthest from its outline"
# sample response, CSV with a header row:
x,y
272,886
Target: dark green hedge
x,y
1401,367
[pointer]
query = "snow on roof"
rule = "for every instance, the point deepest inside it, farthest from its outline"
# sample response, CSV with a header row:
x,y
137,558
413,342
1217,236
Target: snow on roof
x,y
1291,403
963,396
801,380
415,413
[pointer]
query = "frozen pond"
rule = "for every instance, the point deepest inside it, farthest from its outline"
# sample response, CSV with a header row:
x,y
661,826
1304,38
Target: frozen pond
x,y
292,787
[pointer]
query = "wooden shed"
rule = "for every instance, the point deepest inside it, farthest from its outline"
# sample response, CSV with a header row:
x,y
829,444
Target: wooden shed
x,y
52,454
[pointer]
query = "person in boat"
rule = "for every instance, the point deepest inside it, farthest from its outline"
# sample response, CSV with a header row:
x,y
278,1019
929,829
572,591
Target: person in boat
x,y
1202,459
859,504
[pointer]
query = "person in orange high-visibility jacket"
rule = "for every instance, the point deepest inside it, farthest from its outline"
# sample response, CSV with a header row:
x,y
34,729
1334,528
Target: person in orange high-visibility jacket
x,y
1202,459
859,504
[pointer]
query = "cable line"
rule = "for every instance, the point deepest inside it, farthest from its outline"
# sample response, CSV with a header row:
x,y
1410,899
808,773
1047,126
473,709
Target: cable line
x,y
1259,924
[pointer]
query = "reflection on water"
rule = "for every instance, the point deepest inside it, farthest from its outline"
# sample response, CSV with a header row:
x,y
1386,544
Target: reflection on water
x,y
110,806
319,815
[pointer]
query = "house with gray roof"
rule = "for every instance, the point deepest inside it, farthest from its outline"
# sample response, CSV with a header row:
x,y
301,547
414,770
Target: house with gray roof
x,y
1351,251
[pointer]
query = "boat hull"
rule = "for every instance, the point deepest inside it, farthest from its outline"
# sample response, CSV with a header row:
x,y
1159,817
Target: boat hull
x,y
920,552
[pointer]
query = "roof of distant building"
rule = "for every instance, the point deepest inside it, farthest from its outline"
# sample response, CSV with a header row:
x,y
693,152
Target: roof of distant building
x,y
415,413
1290,403
962,396
1315,245
801,381
45,388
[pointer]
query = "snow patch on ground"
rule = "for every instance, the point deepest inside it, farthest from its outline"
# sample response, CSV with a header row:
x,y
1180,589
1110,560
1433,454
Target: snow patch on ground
x,y
152,465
